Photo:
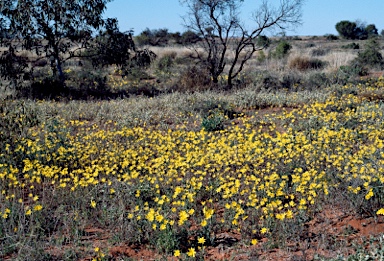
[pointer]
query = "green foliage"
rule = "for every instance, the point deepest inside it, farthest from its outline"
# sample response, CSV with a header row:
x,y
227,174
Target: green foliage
x,y
154,37
263,41
189,37
371,30
346,29
112,46
331,37
282,50
349,73
371,55
50,27
353,46
214,121
353,30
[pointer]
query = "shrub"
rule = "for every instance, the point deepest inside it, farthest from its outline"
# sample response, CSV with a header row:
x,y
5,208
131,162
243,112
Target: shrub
x,y
282,50
193,79
214,121
316,80
354,46
290,81
267,81
263,41
189,37
348,73
371,56
319,52
166,62
331,37
304,63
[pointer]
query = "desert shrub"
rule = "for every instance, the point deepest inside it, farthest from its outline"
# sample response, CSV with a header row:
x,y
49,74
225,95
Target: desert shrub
x,y
13,67
290,81
263,41
371,56
166,61
319,52
154,37
189,37
315,80
193,79
304,63
281,50
331,37
49,87
267,81
348,73
353,46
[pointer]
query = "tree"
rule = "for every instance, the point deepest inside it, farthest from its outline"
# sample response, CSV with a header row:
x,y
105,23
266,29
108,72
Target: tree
x,y
51,28
113,47
218,23
153,37
356,30
346,29
371,30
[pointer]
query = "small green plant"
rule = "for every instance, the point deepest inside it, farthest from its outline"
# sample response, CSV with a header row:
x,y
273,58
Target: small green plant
x,y
282,49
214,121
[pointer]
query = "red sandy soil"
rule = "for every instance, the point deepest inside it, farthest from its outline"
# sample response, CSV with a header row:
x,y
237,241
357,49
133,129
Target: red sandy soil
x,y
332,232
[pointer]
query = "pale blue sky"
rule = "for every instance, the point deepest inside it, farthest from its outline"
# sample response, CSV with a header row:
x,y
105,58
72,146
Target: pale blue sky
x,y
319,16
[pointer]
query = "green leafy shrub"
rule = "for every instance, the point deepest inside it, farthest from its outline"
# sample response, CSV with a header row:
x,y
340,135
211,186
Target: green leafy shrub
x,y
263,41
214,121
282,49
